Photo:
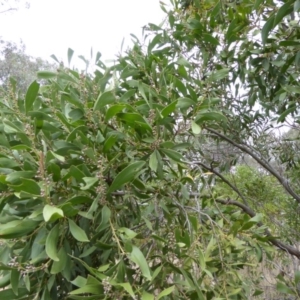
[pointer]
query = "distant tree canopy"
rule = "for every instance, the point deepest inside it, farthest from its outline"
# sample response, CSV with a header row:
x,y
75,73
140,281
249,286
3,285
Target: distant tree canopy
x,y
7,6
17,66
120,184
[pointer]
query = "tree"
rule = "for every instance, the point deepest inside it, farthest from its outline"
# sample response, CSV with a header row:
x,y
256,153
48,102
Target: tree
x,y
16,67
11,5
106,191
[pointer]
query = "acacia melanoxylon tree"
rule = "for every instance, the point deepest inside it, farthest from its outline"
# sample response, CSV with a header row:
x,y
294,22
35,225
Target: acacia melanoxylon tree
x,y
106,190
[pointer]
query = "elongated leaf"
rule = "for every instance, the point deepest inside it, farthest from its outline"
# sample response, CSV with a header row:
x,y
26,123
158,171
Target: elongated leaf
x,y
166,292
70,55
281,287
113,110
185,103
104,99
94,289
31,95
14,280
153,162
147,296
172,154
127,287
58,266
169,109
218,75
16,229
283,11
89,182
267,28
46,74
77,232
51,243
210,116
28,186
126,175
138,257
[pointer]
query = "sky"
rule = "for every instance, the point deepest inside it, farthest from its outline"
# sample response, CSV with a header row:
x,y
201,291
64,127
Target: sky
x,y
52,26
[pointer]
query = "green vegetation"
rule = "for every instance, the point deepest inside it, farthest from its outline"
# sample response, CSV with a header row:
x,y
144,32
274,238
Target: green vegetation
x,y
116,184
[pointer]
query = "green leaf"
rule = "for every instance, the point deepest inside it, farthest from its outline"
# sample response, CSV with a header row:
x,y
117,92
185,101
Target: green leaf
x,y
70,55
77,232
268,26
285,114
281,287
9,294
297,277
113,110
195,128
89,182
185,103
210,116
126,175
169,109
14,281
94,289
16,177
79,281
31,95
28,186
52,213
218,75
104,99
51,243
138,257
129,233
153,162
166,292
201,259
287,43
297,6
172,154
147,296
127,287
134,119
58,266
46,74
210,39
17,229
283,11
292,89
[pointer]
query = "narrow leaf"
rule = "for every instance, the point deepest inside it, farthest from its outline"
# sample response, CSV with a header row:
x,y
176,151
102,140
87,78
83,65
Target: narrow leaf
x,y
153,162
51,242
126,175
138,257
166,292
31,95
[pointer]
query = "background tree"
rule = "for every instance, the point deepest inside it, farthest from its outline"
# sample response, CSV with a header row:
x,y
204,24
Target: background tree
x,y
12,5
16,64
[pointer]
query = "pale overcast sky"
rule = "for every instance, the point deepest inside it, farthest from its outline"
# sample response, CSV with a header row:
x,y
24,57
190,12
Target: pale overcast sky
x,y
52,26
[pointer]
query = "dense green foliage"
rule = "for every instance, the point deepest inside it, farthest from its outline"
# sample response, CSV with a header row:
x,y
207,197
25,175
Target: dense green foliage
x,y
107,179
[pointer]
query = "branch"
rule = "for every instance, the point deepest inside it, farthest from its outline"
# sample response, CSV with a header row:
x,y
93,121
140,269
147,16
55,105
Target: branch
x,y
287,248
223,179
9,9
262,162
